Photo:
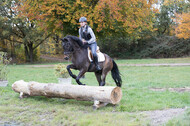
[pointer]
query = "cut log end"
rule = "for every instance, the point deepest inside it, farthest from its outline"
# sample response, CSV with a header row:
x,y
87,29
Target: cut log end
x,y
116,95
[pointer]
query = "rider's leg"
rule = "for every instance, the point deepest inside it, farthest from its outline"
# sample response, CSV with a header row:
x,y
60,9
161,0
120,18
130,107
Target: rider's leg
x,y
93,47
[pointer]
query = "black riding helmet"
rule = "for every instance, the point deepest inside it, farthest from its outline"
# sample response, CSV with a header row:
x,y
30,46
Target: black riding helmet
x,y
82,19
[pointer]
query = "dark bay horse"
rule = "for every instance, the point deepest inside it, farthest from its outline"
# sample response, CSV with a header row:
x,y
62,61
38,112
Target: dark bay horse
x,y
74,47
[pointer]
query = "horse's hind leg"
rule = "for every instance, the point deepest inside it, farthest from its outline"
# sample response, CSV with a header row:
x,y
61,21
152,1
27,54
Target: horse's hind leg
x,y
104,74
98,77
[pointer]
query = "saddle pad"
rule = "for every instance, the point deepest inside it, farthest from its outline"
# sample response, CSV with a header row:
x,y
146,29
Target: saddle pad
x,y
101,57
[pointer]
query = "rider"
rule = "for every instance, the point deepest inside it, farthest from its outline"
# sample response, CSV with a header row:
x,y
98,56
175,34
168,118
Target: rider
x,y
87,36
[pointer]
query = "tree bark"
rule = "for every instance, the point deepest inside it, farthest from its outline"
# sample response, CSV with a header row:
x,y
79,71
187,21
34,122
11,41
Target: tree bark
x,y
106,94
56,39
26,53
31,52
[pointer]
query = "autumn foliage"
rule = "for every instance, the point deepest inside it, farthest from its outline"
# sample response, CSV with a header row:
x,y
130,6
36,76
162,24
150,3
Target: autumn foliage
x,y
55,15
183,28
129,17
120,26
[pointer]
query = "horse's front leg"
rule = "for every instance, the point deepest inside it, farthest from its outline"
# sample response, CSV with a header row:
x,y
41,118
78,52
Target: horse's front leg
x,y
81,73
69,67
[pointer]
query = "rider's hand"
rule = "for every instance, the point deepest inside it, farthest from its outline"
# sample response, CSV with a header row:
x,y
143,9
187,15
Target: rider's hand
x,y
84,42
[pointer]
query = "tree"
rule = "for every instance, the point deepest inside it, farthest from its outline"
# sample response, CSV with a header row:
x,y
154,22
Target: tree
x,y
183,28
107,17
164,21
165,18
55,16
6,34
19,30
128,17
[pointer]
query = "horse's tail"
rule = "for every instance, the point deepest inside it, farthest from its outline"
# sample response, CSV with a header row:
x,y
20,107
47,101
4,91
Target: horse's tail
x,y
116,74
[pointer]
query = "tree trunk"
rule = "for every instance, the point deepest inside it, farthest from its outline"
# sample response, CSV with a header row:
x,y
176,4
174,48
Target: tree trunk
x,y
88,93
56,39
13,54
4,46
31,52
26,53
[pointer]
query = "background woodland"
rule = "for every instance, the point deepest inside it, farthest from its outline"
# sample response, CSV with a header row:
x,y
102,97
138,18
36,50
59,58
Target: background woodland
x,y
30,29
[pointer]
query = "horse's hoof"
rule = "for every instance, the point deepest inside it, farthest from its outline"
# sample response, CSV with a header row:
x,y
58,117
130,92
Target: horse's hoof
x,y
94,107
82,84
74,76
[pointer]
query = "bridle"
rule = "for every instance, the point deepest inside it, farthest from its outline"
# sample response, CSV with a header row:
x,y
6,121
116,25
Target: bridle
x,y
69,50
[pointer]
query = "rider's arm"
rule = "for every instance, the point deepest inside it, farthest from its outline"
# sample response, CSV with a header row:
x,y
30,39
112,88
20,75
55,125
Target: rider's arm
x,y
93,39
80,34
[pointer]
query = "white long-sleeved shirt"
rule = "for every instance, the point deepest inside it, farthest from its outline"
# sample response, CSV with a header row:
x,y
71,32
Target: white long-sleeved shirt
x,y
93,39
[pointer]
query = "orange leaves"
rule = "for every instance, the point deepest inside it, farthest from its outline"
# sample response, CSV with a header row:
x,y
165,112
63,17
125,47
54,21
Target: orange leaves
x,y
183,28
129,16
107,11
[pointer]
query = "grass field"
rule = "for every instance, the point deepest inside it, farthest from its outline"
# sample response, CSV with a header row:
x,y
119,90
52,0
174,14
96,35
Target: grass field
x,y
137,97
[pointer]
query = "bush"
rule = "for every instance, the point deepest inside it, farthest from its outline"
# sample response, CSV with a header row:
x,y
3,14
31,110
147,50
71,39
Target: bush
x,y
61,71
164,47
157,47
114,46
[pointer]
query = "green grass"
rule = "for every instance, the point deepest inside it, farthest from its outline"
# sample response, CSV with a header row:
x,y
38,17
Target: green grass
x,y
177,121
137,97
149,61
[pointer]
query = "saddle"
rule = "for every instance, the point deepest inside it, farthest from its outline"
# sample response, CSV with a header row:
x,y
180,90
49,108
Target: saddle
x,y
101,57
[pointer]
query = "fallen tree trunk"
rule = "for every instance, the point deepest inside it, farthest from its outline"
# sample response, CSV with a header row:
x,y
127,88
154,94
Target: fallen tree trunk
x,y
105,94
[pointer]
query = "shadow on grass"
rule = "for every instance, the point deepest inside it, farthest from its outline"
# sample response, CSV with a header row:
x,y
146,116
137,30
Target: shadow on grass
x,y
62,101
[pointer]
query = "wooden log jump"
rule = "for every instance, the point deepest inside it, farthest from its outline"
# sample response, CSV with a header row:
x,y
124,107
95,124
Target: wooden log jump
x,y
104,95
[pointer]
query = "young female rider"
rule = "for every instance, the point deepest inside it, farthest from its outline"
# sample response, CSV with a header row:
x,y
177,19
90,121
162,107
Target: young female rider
x,y
87,36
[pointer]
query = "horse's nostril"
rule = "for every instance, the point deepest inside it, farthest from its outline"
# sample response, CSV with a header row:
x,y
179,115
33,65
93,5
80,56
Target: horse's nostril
x,y
66,58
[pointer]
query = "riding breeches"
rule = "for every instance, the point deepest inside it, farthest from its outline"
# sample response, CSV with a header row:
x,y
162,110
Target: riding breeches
x,y
93,48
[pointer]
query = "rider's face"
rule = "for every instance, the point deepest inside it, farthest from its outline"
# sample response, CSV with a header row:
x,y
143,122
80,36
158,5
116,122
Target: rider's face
x,y
82,24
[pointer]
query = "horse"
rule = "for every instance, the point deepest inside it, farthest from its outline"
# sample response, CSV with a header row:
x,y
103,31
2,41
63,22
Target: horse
x,y
73,46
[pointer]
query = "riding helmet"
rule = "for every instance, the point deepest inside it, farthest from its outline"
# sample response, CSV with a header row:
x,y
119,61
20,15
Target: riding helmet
x,y
83,19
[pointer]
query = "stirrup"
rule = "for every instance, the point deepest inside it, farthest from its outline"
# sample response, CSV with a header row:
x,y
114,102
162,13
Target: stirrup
x,y
98,67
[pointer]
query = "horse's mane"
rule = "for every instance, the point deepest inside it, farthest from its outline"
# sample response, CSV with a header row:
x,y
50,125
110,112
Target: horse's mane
x,y
77,40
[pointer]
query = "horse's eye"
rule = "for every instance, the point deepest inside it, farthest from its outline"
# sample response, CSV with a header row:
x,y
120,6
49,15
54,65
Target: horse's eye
x,y
67,45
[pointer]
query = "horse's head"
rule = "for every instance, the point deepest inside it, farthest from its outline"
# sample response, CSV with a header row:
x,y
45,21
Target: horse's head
x,y
72,44
67,47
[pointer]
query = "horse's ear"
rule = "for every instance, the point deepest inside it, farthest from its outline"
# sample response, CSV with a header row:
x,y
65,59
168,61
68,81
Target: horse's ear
x,y
63,43
64,39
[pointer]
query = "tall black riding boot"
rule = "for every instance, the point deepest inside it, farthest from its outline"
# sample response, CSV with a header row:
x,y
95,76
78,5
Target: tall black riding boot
x,y
96,63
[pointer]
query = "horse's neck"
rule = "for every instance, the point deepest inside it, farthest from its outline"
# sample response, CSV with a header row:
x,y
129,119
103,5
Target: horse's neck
x,y
80,54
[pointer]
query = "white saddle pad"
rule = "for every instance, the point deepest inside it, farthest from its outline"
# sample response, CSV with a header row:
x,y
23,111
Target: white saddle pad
x,y
101,57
